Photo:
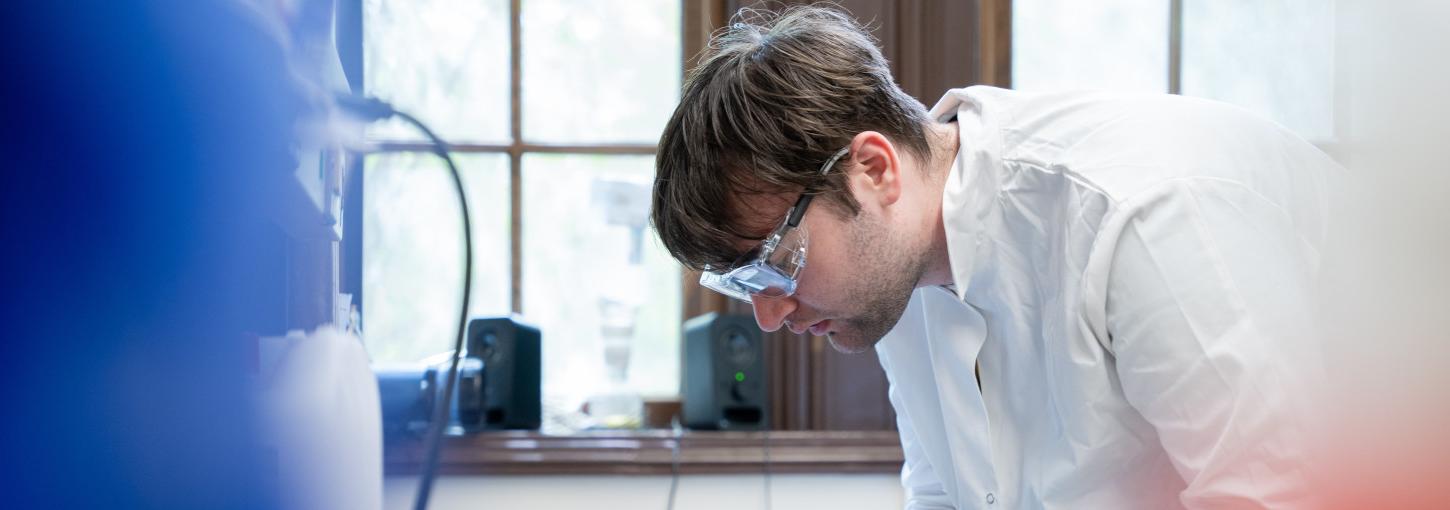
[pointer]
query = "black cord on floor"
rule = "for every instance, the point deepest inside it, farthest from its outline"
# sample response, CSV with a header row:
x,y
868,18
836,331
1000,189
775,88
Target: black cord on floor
x,y
674,462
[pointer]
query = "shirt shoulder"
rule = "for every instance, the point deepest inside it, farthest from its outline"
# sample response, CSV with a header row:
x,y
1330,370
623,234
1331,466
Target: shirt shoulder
x,y
1123,144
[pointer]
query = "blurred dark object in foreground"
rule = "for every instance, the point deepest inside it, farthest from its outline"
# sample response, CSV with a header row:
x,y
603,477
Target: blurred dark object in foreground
x,y
136,251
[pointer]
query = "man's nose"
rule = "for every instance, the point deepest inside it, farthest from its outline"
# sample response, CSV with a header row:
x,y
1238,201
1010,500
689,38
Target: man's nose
x,y
770,313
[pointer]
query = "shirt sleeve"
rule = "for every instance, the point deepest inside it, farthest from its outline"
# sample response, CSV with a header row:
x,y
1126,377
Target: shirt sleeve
x,y
1209,316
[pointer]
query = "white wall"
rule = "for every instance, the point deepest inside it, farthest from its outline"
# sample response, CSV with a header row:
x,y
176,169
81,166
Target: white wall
x,y
696,492
1389,309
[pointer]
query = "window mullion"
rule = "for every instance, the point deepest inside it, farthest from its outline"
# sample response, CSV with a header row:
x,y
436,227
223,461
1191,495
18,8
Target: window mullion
x,y
516,129
1175,46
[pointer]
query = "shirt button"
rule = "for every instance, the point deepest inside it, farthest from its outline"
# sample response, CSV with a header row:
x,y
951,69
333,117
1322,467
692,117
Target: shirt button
x,y
991,500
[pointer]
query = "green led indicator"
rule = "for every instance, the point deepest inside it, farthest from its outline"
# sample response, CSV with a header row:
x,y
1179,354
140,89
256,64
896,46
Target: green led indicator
x,y
740,377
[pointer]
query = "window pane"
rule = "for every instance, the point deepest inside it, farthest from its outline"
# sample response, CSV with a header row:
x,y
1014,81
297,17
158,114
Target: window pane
x,y
594,271
1119,45
1276,58
446,62
413,250
599,71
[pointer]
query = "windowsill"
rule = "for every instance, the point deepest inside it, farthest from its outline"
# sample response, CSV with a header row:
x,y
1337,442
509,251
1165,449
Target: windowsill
x,y
651,452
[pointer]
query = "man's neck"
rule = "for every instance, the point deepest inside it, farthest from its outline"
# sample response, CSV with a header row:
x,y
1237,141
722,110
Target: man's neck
x,y
946,143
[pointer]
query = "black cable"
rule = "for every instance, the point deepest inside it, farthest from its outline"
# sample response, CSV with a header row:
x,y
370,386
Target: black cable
x,y
371,109
674,462
434,435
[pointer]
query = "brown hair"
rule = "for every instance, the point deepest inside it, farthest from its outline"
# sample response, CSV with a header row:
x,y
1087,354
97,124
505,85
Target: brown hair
x,y
774,96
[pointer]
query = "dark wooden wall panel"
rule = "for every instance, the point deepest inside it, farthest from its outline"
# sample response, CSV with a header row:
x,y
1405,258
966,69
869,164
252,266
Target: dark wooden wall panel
x,y
852,390
937,46
881,18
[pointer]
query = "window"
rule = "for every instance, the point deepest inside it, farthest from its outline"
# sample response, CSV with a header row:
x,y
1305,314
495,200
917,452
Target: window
x,y
1275,58
1272,57
1110,44
553,109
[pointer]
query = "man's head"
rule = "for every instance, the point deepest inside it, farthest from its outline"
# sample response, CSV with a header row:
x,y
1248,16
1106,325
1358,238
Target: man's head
x,y
774,97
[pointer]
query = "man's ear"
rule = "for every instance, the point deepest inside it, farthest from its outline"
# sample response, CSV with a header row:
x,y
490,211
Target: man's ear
x,y
875,173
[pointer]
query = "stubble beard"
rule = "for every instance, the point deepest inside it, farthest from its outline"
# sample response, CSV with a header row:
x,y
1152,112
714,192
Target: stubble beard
x,y
889,270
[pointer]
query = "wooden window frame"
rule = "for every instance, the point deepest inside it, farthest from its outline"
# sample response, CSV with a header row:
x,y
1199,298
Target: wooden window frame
x,y
516,149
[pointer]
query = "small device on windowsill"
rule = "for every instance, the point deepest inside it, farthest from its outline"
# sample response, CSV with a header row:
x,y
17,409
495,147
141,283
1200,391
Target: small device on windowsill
x,y
408,392
498,385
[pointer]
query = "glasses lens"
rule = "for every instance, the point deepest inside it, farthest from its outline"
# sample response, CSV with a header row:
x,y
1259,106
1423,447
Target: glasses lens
x,y
773,292
752,280
762,280
789,256
768,271
724,285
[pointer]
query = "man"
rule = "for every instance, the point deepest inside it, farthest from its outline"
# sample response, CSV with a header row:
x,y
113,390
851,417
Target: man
x,y
1093,301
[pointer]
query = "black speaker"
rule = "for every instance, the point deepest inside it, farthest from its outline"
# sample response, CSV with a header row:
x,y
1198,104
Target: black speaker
x,y
723,376
510,351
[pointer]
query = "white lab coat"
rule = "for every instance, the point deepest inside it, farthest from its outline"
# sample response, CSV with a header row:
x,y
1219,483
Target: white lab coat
x,y
1134,282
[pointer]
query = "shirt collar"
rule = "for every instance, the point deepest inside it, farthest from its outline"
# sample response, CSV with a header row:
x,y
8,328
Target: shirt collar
x,y
972,185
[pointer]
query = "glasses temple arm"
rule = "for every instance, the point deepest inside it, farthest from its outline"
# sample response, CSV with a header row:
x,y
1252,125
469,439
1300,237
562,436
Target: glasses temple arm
x,y
797,211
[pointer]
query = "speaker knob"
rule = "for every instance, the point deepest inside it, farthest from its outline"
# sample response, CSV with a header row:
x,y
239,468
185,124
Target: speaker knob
x,y
738,349
488,350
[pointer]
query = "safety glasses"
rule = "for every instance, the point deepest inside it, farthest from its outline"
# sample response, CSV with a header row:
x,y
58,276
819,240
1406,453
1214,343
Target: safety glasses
x,y
770,269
